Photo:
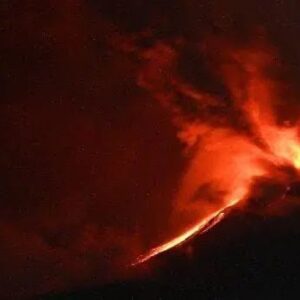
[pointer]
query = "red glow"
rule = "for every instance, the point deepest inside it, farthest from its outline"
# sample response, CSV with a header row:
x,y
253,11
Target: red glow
x,y
223,158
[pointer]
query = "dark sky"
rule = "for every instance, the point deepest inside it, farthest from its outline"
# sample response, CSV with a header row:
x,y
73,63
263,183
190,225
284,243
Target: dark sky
x,y
89,161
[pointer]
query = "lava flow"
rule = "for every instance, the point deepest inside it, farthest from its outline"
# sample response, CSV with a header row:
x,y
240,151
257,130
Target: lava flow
x,y
225,159
201,227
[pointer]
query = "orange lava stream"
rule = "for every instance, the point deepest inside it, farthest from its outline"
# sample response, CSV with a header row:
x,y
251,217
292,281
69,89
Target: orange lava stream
x,y
200,228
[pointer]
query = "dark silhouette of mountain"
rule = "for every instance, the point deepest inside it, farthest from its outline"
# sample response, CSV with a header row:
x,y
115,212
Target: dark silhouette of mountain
x,y
246,256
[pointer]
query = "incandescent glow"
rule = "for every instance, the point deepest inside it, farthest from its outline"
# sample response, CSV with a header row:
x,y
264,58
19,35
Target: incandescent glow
x,y
200,228
290,150
296,155
225,161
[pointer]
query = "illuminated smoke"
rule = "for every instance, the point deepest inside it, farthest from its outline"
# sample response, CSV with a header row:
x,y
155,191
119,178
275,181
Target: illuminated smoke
x,y
226,157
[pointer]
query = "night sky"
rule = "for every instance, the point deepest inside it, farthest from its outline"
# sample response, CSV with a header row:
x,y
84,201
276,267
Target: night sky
x,y
90,161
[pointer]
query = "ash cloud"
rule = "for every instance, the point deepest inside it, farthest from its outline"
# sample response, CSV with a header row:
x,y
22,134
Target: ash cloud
x,y
90,163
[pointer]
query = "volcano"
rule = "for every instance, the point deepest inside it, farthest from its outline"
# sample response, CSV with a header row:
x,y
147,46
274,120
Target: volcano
x,y
246,256
243,256
149,148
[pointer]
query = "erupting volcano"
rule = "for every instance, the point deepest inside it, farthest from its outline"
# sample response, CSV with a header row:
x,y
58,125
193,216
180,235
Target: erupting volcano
x,y
149,146
228,154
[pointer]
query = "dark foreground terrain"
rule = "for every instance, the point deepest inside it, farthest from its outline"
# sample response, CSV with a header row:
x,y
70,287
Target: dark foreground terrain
x,y
244,257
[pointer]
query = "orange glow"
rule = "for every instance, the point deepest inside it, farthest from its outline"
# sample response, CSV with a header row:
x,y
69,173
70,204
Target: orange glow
x,y
225,162
201,227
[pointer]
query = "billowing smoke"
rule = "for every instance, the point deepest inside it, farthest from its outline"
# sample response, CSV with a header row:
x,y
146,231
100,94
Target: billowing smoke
x,y
226,157
124,123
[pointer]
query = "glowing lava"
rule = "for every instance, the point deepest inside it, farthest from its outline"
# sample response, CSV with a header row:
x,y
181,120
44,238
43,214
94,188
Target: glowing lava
x,y
225,162
199,228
